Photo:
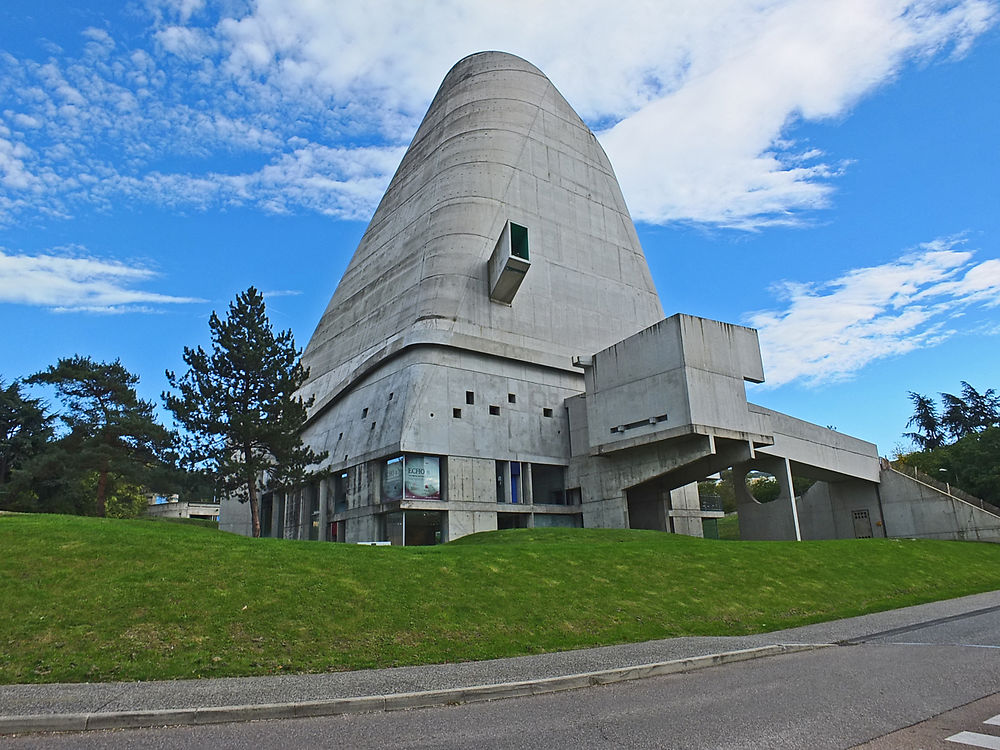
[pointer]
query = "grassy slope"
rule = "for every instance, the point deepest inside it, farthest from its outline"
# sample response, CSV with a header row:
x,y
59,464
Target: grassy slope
x,y
729,527
92,599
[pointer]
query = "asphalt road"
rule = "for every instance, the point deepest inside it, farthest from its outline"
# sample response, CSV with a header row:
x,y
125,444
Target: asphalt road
x,y
835,697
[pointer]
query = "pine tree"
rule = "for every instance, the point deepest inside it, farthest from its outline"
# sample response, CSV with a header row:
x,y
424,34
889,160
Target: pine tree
x,y
239,406
925,419
111,430
25,428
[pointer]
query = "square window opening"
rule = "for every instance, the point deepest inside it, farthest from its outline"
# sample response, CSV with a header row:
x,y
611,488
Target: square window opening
x,y
470,397
456,413
511,398
494,410
546,412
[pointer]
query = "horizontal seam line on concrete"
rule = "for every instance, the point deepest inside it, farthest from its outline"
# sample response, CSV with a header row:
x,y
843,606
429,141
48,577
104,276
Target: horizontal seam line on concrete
x,y
374,703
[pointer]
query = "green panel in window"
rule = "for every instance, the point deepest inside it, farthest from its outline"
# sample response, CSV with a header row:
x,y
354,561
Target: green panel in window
x,y
518,241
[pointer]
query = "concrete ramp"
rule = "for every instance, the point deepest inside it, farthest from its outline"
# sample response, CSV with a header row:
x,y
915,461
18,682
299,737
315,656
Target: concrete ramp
x,y
818,452
915,509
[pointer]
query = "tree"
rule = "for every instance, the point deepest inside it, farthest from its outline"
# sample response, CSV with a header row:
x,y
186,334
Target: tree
x,y
124,500
111,431
239,406
925,418
50,482
25,429
973,463
970,456
979,410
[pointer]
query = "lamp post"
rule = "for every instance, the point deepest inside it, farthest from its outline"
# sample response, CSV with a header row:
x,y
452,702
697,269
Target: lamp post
x,y
947,484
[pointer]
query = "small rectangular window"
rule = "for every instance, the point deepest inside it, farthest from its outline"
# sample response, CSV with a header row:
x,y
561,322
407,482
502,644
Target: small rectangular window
x,y
470,397
494,410
511,398
546,412
364,412
390,395
373,425
456,413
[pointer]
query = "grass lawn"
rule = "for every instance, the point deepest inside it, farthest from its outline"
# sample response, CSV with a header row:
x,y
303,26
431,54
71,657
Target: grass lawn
x,y
729,527
86,599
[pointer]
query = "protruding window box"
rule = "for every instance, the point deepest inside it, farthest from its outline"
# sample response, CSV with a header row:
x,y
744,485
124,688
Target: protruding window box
x,y
509,263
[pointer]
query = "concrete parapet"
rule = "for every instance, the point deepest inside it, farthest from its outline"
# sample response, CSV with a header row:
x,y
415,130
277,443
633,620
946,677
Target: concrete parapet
x,y
914,509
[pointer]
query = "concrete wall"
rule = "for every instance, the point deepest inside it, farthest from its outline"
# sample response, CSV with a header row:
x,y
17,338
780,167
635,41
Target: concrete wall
x,y
825,510
898,506
681,375
234,517
914,509
427,385
183,509
771,521
462,523
817,451
685,511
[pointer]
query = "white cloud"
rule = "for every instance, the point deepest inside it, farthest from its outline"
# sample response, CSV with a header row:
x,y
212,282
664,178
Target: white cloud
x,y
702,93
829,331
698,101
713,151
343,183
77,283
14,175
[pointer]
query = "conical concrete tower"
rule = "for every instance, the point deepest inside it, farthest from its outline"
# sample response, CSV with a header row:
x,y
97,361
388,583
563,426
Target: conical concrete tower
x,y
501,249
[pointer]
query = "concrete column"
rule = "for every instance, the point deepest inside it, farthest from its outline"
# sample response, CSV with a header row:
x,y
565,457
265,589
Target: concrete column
x,y
790,489
527,493
303,514
277,513
324,514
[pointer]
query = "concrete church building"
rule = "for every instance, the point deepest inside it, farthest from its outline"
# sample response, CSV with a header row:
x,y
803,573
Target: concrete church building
x,y
496,356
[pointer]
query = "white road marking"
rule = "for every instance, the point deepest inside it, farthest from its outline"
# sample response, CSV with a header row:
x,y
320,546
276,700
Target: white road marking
x,y
994,720
989,741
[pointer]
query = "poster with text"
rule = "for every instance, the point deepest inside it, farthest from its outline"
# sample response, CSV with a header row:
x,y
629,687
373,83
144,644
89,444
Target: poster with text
x,y
423,478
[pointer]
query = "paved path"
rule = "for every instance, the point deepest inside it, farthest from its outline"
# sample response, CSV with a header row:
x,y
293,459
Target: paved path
x,y
976,724
90,706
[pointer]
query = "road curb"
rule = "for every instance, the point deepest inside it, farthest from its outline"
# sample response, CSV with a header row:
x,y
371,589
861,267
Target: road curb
x,y
375,703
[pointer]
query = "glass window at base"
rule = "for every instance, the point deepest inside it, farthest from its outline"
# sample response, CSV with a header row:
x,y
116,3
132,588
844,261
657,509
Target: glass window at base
x,y
548,484
392,479
414,528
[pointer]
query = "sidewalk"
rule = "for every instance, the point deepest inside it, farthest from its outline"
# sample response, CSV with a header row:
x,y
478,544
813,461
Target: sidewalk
x,y
74,707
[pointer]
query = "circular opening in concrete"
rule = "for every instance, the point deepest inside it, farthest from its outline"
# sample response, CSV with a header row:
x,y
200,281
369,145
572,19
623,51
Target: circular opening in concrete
x,y
763,487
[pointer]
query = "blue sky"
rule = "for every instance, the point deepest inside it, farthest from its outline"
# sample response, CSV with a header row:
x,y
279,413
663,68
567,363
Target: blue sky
x,y
823,170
